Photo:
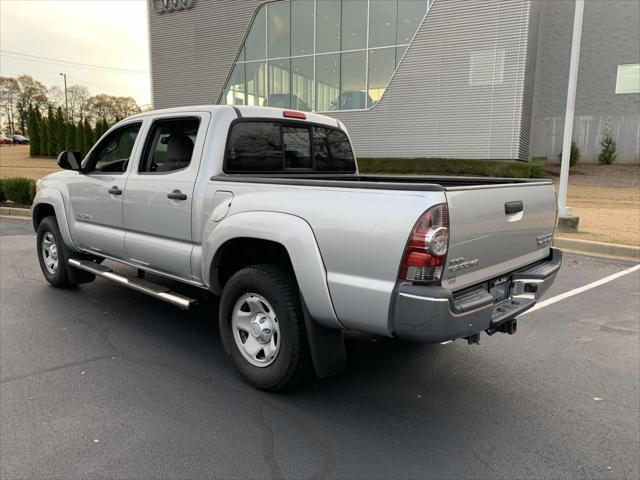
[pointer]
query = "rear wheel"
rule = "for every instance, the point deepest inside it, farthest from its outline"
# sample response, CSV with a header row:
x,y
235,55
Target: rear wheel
x,y
262,327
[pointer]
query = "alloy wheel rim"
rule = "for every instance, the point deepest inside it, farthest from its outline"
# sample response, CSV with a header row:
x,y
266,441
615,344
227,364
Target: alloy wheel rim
x,y
256,330
50,252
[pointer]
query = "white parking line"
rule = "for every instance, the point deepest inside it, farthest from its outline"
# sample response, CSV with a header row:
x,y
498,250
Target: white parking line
x,y
578,290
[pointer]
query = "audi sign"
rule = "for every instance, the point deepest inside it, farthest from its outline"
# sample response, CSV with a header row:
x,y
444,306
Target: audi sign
x,y
166,6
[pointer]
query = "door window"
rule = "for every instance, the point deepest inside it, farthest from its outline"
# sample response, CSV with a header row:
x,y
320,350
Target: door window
x,y
170,145
113,153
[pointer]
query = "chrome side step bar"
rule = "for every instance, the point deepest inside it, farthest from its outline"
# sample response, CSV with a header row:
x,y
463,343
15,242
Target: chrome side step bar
x,y
157,291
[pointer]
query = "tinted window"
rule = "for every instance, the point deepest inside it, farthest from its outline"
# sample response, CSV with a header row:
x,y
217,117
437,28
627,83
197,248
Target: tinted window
x,y
254,46
332,151
327,82
353,81
328,26
301,27
170,145
354,25
297,147
278,34
254,147
382,23
113,153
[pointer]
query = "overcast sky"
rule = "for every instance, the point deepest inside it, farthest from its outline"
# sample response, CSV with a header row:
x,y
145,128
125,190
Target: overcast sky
x,y
107,33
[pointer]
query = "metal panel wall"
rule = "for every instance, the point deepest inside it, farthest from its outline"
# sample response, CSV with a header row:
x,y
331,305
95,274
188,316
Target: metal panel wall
x,y
610,37
431,107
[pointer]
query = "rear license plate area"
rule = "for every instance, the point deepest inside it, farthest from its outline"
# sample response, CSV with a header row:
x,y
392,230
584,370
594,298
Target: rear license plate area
x,y
500,288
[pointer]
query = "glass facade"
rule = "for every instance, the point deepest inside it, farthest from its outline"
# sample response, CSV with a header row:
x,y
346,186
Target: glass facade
x,y
322,55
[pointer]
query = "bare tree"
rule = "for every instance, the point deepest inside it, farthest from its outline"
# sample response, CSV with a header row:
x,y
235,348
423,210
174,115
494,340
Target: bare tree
x,y
78,97
32,93
9,98
56,96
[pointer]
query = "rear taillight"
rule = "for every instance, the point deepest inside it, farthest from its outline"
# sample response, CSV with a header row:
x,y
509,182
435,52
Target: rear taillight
x,y
426,251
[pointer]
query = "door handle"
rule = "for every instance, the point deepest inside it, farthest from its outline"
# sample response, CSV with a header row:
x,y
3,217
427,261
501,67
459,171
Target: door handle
x,y
115,190
513,207
177,195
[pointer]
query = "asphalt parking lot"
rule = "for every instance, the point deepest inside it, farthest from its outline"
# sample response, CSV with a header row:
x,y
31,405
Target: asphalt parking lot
x,y
103,382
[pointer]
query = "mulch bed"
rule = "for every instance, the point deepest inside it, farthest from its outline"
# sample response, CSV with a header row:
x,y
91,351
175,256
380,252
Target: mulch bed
x,y
596,175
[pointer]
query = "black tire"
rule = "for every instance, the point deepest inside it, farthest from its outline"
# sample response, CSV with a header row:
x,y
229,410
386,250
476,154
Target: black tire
x,y
64,275
292,363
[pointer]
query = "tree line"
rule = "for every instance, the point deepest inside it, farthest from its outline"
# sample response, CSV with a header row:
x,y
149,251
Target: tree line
x,y
50,134
20,95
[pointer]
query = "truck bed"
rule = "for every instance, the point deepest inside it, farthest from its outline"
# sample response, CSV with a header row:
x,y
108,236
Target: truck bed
x,y
380,182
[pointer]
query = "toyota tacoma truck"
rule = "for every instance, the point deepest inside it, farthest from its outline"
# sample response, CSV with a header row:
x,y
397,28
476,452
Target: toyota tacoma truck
x,y
266,209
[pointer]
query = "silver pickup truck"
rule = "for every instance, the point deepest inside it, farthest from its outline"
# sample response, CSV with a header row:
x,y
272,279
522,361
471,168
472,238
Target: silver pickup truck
x,y
265,208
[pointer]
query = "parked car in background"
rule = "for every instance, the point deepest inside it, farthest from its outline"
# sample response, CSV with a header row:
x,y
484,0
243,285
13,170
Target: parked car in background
x,y
4,140
351,100
265,208
20,140
284,100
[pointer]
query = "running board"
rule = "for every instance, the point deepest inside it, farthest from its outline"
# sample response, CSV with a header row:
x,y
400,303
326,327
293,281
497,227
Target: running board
x,y
153,289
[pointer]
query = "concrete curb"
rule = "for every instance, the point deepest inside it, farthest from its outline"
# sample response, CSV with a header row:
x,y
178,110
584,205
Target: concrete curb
x,y
598,249
15,212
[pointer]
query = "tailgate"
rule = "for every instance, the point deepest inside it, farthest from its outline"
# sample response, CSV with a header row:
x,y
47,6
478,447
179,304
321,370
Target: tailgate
x,y
497,229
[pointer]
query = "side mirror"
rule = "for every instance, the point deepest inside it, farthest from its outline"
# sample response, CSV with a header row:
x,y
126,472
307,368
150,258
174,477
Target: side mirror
x,y
69,160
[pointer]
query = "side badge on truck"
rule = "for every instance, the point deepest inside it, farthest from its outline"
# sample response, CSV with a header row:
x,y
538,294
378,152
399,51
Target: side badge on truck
x,y
544,240
456,264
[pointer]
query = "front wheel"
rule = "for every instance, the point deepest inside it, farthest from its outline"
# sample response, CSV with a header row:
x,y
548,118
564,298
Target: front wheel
x,y
262,327
53,256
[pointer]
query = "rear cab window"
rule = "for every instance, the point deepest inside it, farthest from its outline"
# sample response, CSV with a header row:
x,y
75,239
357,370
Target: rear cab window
x,y
267,146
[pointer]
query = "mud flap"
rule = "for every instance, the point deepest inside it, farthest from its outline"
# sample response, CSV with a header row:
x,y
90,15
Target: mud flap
x,y
326,345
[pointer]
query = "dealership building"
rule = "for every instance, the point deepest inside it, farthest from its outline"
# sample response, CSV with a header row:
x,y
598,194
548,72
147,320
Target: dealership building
x,y
412,78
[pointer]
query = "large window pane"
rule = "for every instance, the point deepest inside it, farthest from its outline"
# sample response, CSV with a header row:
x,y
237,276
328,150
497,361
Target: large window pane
x,y
302,83
279,83
256,91
353,81
327,82
297,147
254,147
354,24
381,66
382,23
301,27
254,46
328,26
278,34
410,14
234,93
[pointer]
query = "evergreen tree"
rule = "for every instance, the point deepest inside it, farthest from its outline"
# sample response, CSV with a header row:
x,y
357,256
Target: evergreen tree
x,y
79,136
70,136
34,135
608,153
87,142
31,125
44,136
105,125
60,131
51,132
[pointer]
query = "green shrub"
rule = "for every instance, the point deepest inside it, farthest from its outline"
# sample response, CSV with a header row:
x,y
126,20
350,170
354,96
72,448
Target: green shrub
x,y
2,197
19,189
537,166
574,156
445,166
608,153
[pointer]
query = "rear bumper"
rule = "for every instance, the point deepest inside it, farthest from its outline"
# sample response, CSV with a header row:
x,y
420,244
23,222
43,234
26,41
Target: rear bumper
x,y
435,314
